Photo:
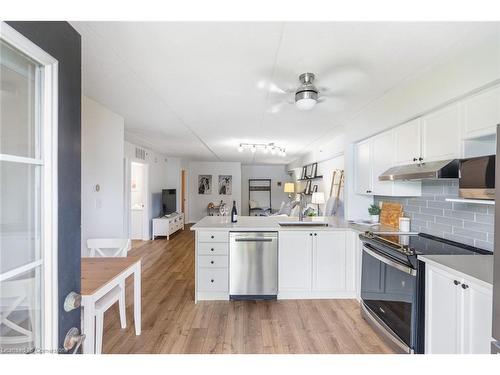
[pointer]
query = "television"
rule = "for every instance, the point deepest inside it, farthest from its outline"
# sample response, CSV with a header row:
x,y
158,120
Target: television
x,y
168,201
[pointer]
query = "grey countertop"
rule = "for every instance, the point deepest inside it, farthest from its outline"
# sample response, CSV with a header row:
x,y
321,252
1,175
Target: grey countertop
x,y
271,223
479,267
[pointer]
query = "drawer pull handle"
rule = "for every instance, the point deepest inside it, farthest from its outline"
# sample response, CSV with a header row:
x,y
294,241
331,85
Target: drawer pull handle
x,y
212,280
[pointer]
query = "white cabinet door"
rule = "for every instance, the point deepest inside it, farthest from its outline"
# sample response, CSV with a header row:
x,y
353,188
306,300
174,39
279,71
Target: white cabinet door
x,y
441,134
442,312
407,141
477,307
382,159
329,261
295,261
482,113
363,167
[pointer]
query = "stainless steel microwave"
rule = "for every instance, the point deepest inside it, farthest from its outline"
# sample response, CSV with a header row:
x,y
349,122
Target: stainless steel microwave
x,y
476,178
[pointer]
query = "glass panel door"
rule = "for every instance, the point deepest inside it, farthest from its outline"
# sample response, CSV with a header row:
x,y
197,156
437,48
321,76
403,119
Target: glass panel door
x,y
21,173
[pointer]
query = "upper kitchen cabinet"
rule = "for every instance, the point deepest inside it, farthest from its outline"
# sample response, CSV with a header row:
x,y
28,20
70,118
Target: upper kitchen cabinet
x,y
481,114
363,167
373,157
407,140
441,134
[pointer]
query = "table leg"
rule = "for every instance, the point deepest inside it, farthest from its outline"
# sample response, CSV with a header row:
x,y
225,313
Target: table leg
x,y
137,298
88,325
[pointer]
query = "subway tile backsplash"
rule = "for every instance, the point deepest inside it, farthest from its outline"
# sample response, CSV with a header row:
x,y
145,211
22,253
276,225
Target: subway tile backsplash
x,y
471,224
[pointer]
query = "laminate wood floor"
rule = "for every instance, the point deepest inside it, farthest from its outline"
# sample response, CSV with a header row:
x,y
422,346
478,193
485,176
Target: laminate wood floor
x,y
172,323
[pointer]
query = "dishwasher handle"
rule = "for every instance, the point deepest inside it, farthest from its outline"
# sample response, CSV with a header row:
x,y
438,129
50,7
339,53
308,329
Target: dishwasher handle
x,y
257,239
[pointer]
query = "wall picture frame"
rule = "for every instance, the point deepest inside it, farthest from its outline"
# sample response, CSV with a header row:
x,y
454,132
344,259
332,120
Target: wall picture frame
x,y
315,189
204,184
225,185
309,171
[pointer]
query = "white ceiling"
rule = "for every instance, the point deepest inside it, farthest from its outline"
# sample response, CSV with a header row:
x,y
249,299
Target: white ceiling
x,y
189,89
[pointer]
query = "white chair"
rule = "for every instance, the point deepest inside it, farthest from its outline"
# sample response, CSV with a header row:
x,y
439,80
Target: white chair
x,y
109,247
16,297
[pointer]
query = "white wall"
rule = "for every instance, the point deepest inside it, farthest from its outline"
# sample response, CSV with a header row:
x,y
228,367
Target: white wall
x,y
325,169
277,173
475,66
198,202
102,163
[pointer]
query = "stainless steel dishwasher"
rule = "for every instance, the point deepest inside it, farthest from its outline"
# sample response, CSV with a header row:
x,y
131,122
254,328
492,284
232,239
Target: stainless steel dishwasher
x,y
253,265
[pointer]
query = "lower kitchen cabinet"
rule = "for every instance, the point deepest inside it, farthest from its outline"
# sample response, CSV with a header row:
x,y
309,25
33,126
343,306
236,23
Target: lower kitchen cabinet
x,y
458,313
317,264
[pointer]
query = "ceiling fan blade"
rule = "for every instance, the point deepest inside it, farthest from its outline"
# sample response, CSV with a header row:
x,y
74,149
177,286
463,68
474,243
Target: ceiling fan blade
x,y
276,108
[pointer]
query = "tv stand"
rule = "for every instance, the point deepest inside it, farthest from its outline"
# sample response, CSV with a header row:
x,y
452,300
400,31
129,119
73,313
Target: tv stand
x,y
168,225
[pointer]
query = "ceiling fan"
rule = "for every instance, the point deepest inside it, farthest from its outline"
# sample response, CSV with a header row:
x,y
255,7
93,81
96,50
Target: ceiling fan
x,y
307,94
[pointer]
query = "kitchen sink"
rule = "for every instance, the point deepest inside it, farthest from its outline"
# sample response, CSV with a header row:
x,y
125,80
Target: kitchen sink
x,y
303,223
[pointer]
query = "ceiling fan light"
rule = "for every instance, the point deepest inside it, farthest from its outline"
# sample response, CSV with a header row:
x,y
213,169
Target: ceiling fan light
x,y
306,99
305,104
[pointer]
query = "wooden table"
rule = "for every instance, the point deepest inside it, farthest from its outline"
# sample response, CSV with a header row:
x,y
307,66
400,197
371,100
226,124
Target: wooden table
x,y
99,276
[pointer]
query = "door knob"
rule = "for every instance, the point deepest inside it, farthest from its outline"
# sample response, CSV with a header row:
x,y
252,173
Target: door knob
x,y
73,339
72,301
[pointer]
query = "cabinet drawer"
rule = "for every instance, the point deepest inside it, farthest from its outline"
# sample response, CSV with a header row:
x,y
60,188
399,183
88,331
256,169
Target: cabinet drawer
x,y
213,279
205,248
213,236
213,261
161,226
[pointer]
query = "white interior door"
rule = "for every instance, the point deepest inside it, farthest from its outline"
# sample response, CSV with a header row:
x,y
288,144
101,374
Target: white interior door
x,y
28,191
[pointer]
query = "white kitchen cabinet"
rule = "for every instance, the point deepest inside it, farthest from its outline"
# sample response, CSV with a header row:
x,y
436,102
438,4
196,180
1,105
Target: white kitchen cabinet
x,y
441,134
481,113
329,261
373,157
407,142
363,167
317,264
382,159
295,261
458,313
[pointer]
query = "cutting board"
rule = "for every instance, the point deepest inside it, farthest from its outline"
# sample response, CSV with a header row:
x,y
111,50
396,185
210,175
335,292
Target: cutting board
x,y
390,214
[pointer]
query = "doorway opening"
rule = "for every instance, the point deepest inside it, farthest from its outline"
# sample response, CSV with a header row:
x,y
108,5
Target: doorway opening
x,y
139,212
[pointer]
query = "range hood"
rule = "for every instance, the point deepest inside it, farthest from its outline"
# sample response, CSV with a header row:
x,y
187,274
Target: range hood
x,y
432,170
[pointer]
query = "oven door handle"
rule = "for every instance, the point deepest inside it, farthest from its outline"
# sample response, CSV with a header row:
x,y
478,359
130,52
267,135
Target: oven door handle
x,y
390,262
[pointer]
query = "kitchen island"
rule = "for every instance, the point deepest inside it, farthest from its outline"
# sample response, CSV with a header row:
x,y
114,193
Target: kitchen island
x,y
314,261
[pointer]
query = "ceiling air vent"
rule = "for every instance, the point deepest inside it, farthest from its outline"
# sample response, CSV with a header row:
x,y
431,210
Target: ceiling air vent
x,y
140,153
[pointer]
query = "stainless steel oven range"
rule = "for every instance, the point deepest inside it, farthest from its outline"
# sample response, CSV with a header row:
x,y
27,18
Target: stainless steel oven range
x,y
393,284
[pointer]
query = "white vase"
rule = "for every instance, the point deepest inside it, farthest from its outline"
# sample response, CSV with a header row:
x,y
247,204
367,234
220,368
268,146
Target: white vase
x,y
375,218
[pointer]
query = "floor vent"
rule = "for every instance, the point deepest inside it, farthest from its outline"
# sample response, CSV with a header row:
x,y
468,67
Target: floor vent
x,y
140,153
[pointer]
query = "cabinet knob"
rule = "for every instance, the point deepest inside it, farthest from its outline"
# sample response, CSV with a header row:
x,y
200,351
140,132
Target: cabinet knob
x,y
456,282
368,191
212,237
464,286
212,249
420,158
415,159
212,280
211,262
310,234
315,234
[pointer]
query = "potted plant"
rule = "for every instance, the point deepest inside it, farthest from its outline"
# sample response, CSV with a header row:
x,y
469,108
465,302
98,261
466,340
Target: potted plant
x,y
374,211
